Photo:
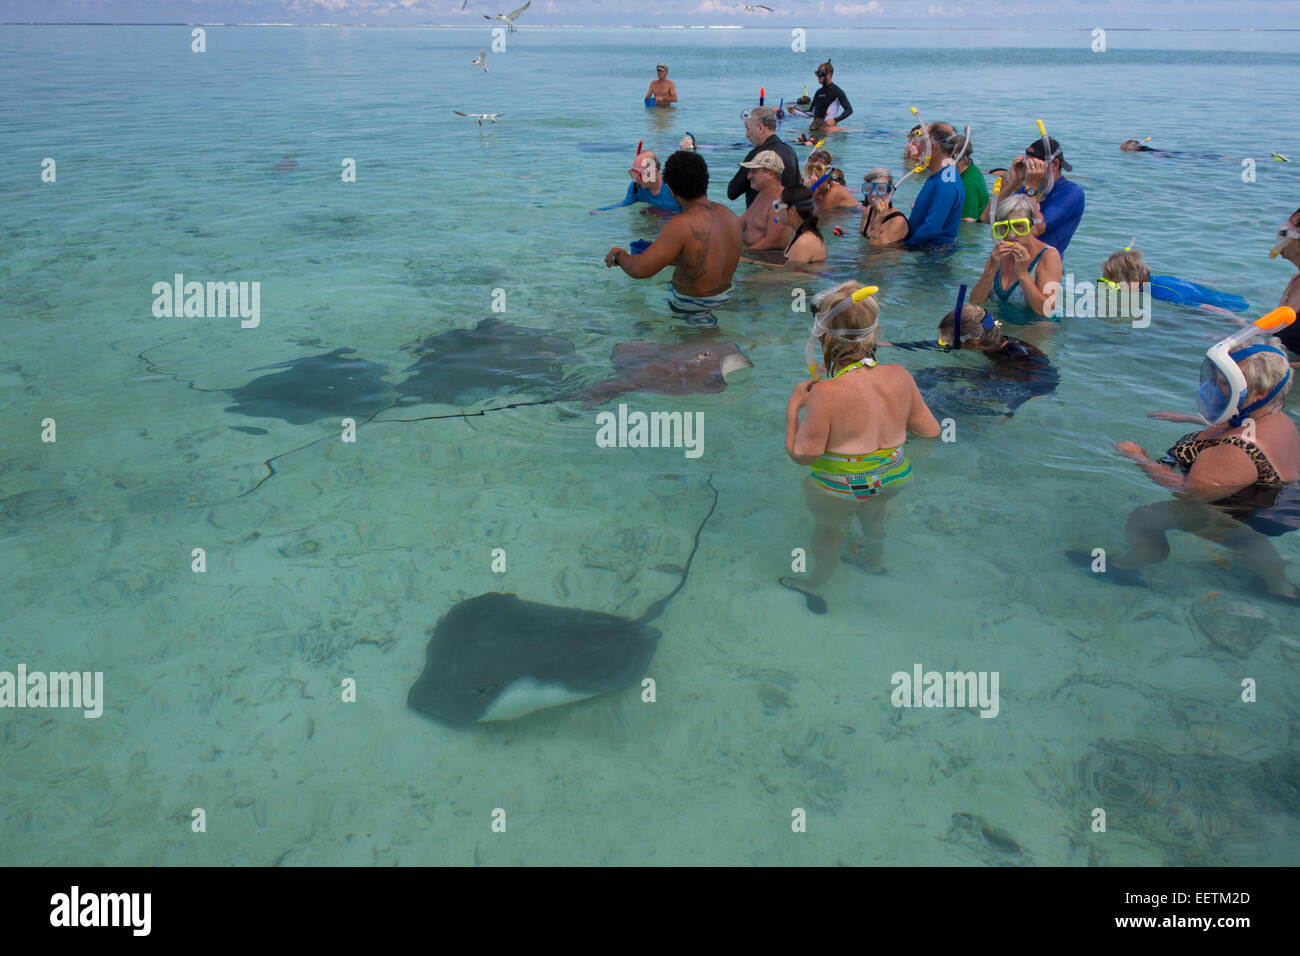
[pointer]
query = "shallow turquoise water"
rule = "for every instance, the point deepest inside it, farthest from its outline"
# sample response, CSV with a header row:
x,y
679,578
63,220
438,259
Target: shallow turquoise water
x,y
223,687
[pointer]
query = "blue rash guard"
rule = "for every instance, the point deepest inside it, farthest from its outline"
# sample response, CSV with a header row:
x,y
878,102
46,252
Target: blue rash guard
x,y
936,214
1062,209
638,193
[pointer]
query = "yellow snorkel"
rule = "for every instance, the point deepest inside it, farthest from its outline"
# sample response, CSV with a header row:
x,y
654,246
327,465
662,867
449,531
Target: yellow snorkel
x,y
821,323
922,162
1047,156
993,205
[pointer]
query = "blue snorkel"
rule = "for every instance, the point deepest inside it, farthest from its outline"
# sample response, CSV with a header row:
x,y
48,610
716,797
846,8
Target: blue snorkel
x,y
956,317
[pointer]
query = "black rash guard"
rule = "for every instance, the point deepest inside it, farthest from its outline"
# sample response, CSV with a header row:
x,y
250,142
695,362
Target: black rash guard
x,y
827,95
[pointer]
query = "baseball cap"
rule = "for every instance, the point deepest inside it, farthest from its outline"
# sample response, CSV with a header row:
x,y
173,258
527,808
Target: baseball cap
x,y
765,160
1035,149
662,66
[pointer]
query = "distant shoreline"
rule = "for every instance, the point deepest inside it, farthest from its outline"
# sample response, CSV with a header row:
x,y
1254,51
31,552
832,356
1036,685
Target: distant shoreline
x,y
660,26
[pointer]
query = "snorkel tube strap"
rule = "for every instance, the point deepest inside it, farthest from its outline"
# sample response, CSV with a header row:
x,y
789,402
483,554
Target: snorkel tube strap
x,y
821,326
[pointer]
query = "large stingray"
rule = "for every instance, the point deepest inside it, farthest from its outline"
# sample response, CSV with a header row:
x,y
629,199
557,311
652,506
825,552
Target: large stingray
x,y
316,387
463,366
668,369
496,657
983,390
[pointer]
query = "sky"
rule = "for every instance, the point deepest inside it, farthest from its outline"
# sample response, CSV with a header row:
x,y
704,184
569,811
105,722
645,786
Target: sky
x,y
955,14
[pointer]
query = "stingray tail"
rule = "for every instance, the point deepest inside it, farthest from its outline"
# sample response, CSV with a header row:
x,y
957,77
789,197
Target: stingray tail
x,y
654,610
603,392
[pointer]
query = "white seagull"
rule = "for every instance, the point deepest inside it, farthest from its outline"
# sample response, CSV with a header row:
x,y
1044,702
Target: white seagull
x,y
480,116
752,7
481,61
510,18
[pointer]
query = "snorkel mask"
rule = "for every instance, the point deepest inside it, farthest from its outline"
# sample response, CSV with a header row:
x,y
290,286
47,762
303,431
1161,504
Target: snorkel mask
x,y
1285,233
1048,156
1222,391
924,148
813,353
957,338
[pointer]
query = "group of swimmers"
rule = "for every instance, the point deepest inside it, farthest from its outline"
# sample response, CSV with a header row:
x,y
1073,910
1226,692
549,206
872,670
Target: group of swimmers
x,y
1237,481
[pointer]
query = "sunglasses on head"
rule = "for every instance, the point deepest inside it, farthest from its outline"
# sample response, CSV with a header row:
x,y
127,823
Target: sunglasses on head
x,y
1019,227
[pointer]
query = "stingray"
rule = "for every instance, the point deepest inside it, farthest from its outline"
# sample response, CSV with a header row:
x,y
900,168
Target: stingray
x,y
463,366
984,390
497,657
668,370
316,387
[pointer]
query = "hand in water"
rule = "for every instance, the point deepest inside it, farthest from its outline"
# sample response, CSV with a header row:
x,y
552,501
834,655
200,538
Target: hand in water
x,y
1131,450
609,257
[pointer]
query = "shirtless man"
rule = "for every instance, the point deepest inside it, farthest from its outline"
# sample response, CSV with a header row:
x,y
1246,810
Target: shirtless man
x,y
702,241
662,89
759,231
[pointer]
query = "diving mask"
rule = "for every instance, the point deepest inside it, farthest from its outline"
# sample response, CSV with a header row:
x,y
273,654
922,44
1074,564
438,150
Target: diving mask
x,y
1222,389
1285,233
812,352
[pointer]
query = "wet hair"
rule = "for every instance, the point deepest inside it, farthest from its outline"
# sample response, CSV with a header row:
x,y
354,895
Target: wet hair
x,y
880,172
972,329
1125,145
956,143
837,176
827,68
763,115
801,198
1017,206
1126,266
687,174
1263,370
941,136
819,156
856,315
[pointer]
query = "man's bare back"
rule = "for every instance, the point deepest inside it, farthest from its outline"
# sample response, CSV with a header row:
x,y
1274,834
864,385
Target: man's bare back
x,y
710,237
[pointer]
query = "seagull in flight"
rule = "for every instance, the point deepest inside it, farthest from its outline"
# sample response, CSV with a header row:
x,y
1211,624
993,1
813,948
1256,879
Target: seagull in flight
x,y
752,7
510,18
480,116
481,61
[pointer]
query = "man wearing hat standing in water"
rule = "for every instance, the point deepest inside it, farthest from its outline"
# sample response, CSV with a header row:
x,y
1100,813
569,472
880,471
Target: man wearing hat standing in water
x,y
662,89
759,230
1059,200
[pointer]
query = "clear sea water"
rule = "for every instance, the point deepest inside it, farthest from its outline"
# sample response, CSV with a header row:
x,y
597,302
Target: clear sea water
x,y
223,687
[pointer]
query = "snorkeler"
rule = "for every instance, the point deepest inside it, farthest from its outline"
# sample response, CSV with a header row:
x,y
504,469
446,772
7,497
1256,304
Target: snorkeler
x,y
881,224
702,243
977,191
797,214
1124,274
647,185
936,211
856,417
662,91
1018,252
1029,371
827,182
1060,200
829,104
1238,481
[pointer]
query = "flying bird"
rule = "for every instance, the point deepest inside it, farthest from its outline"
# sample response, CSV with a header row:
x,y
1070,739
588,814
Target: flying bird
x,y
752,7
510,18
481,61
480,116
464,3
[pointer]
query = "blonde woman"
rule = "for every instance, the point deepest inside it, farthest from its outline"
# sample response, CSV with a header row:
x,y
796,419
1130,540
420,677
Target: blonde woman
x,y
855,422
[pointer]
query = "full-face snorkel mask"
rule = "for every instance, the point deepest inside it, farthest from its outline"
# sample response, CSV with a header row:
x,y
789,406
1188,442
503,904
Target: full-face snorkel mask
x,y
1285,233
1222,390
812,352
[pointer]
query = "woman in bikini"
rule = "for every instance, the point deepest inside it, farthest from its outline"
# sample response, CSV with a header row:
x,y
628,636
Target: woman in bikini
x,y
856,418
